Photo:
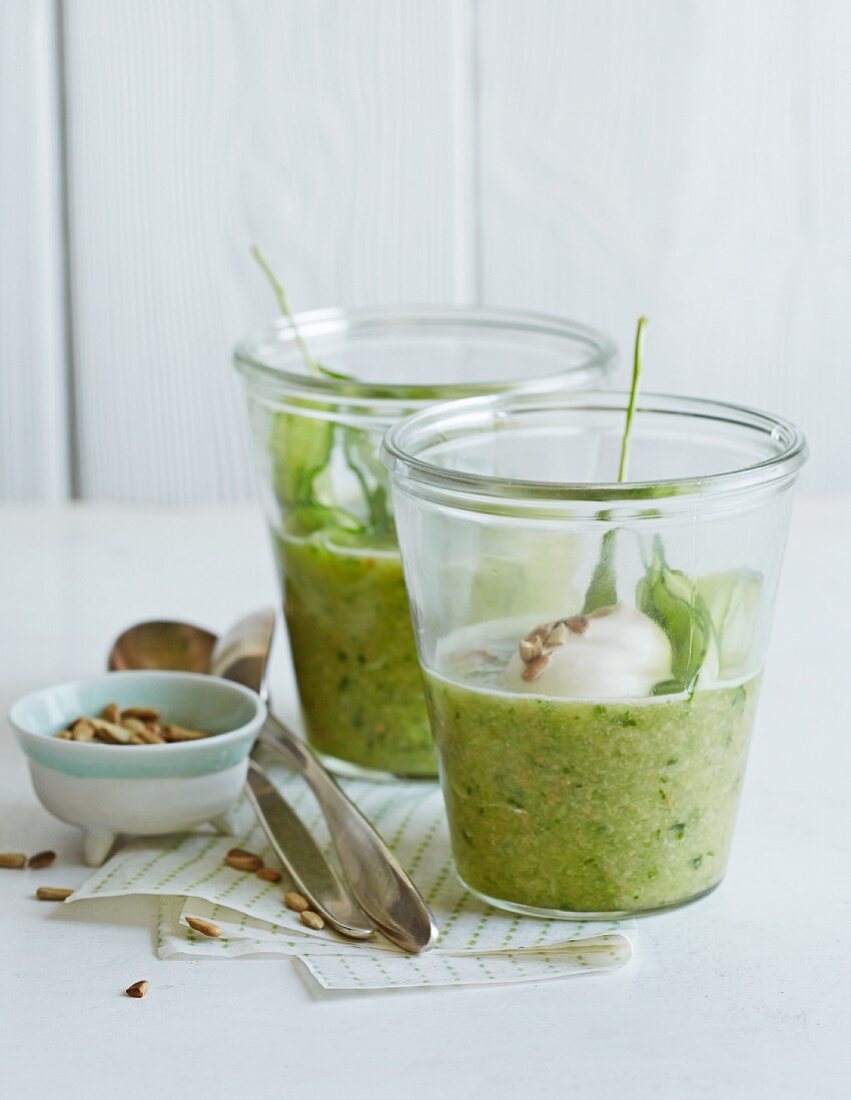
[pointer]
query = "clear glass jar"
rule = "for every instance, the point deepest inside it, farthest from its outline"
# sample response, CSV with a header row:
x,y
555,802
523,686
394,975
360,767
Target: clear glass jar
x,y
326,495
592,650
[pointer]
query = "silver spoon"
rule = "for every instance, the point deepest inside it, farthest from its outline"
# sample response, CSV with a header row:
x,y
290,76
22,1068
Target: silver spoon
x,y
379,883
172,645
381,886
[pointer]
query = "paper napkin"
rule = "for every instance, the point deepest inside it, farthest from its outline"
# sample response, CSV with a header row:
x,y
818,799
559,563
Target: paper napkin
x,y
478,944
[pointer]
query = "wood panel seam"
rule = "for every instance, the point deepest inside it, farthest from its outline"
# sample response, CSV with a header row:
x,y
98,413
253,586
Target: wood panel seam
x,y
72,443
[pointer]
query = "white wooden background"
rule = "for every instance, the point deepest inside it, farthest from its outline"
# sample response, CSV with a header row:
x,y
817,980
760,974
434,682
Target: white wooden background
x,y
596,158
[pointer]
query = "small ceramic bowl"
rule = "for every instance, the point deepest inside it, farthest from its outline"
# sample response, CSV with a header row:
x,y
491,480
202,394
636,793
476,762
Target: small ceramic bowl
x,y
139,789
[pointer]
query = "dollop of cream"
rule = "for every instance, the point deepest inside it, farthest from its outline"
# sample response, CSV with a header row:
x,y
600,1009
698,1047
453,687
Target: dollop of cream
x,y
621,653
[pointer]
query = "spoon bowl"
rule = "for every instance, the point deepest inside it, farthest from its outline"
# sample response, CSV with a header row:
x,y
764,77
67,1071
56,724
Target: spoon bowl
x,y
162,644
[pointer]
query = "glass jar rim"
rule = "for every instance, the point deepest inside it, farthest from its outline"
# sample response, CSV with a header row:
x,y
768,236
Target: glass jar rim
x,y
272,378
448,420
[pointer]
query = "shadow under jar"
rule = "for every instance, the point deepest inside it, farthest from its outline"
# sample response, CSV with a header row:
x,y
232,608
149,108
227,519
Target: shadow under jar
x,y
316,430
592,650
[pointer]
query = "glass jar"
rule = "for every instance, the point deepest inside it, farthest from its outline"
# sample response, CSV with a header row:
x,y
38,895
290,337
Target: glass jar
x,y
316,431
592,650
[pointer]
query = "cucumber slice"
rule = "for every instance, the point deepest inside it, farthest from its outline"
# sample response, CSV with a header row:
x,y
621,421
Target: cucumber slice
x,y
673,601
537,578
733,600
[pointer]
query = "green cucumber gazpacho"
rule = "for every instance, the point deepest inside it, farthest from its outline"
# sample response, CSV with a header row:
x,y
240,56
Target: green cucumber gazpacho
x,y
354,653
561,797
592,764
345,601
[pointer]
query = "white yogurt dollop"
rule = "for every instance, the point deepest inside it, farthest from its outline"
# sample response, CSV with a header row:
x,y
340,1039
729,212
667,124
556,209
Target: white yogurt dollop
x,y
622,654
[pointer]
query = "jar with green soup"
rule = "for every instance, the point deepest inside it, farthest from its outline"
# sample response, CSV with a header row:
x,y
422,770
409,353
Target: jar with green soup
x,y
592,699
322,388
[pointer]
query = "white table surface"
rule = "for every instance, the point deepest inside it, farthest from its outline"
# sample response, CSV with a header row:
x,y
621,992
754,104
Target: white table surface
x,y
743,995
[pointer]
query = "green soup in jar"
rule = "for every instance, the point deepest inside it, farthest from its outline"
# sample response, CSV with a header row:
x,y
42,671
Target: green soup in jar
x,y
355,658
323,387
590,807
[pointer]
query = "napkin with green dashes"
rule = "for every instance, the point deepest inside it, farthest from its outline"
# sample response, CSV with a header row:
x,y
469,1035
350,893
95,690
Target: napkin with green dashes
x,y
478,944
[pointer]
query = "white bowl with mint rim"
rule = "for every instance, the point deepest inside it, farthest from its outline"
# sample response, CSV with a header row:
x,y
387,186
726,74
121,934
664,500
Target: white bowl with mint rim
x,y
139,790
592,648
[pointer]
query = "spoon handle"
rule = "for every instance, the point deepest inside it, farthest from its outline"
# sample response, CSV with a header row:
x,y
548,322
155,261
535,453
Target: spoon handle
x,y
312,875
383,889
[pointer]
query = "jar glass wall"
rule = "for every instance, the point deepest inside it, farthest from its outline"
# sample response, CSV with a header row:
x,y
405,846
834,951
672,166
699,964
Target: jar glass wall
x,y
316,435
592,651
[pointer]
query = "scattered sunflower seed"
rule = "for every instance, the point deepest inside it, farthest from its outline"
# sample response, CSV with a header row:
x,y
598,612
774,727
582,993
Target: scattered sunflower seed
x,y
41,859
205,927
245,862
269,874
242,852
297,902
311,919
52,893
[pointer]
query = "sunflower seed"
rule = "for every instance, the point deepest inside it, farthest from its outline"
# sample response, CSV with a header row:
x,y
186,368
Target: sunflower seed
x,y
179,733
530,648
52,893
534,668
151,736
205,927
244,863
41,859
311,919
269,874
558,635
296,902
83,730
146,714
242,852
109,732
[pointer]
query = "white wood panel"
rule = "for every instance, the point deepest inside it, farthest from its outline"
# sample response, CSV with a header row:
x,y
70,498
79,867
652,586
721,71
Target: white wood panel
x,y
323,130
690,161
34,430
